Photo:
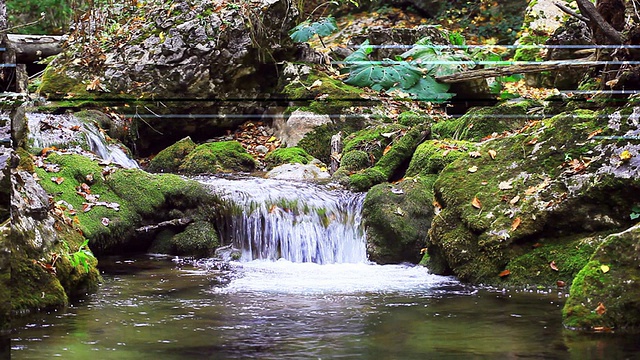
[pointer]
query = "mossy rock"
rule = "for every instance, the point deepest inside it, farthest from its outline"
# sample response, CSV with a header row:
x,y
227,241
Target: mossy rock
x,y
199,239
539,182
292,155
397,218
141,197
480,122
170,159
432,156
33,288
606,292
413,118
211,158
317,143
394,160
355,160
339,96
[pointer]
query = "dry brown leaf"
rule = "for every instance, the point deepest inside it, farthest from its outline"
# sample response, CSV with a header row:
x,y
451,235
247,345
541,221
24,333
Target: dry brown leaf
x,y
553,266
476,203
386,149
505,185
594,133
58,180
492,153
561,283
475,154
446,152
514,200
516,222
601,309
504,273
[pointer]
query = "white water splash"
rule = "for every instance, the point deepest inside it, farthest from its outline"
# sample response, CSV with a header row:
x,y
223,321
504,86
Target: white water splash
x,y
297,221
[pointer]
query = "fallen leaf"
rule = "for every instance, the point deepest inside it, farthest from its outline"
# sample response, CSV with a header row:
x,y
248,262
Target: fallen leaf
x,y
594,133
625,155
272,139
475,154
86,207
601,309
561,283
89,178
86,188
532,141
492,153
515,224
57,180
505,185
272,209
476,203
504,273
446,152
553,266
75,128
400,212
386,149
604,268
105,221
601,329
423,250
94,85
316,84
536,245
473,169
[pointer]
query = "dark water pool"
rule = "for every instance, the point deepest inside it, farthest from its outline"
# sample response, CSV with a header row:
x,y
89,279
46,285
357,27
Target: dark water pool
x,y
156,308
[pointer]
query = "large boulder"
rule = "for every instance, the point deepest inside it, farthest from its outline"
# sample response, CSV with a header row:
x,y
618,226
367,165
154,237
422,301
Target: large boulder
x,y
179,58
549,183
606,292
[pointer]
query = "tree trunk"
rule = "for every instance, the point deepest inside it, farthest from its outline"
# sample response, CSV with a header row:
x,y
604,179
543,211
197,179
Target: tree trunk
x,y
30,48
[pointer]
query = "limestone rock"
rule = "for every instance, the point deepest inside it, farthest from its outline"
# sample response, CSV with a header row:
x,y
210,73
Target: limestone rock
x,y
297,172
298,125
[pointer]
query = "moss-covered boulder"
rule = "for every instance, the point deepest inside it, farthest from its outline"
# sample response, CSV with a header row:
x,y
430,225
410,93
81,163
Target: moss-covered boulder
x,y
292,155
480,122
394,157
107,204
543,184
224,156
606,292
397,218
43,243
432,156
198,239
170,159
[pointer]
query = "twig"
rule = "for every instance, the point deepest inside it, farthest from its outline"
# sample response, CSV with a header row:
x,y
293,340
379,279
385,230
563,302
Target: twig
x,y
24,25
571,12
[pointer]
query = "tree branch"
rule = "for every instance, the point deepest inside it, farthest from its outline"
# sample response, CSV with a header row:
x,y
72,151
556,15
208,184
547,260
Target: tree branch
x,y
571,12
514,69
589,10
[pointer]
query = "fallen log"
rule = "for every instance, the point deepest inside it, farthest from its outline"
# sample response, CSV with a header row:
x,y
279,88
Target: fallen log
x,y
515,69
174,222
30,48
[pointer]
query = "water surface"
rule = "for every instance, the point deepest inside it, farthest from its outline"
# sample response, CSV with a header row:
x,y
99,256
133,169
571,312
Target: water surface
x,y
154,307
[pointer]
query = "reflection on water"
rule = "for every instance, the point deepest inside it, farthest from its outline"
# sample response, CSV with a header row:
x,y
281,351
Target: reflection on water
x,y
155,308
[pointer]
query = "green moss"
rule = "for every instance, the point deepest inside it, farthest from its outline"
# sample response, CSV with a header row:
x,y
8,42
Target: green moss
x,y
140,195
480,122
355,160
216,157
317,142
373,140
609,279
26,162
367,178
199,239
163,243
412,118
397,218
432,156
33,288
170,159
292,155
338,94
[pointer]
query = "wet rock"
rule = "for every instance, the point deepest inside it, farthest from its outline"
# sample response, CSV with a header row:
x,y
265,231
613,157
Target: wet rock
x,y
298,125
170,159
297,172
605,294
224,156
572,32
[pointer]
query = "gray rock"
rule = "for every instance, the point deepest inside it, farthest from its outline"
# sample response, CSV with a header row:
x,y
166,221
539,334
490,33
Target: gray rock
x,y
297,172
298,125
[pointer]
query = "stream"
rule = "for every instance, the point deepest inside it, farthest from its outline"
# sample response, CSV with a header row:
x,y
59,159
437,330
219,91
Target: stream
x,y
301,288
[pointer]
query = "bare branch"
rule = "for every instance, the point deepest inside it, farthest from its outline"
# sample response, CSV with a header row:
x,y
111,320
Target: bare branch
x,y
571,12
589,10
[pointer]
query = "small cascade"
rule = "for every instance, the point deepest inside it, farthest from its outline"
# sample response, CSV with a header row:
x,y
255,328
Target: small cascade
x,y
67,131
297,221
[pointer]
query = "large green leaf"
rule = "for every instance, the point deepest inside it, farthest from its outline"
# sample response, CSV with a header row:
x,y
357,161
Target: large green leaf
x,y
306,29
362,54
438,60
427,89
383,75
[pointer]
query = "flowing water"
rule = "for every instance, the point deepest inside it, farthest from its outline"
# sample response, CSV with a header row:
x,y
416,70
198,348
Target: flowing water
x,y
301,290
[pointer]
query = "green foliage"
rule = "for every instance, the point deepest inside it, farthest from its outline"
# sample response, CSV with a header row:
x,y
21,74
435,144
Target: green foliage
x,y
82,256
635,212
412,74
39,16
306,29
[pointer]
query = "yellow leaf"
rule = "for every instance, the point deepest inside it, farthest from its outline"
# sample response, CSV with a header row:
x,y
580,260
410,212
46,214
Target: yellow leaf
x,y
161,36
625,155
272,139
604,268
492,153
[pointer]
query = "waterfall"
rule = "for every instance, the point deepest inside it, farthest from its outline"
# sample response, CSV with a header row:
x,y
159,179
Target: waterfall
x,y
297,221
68,131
